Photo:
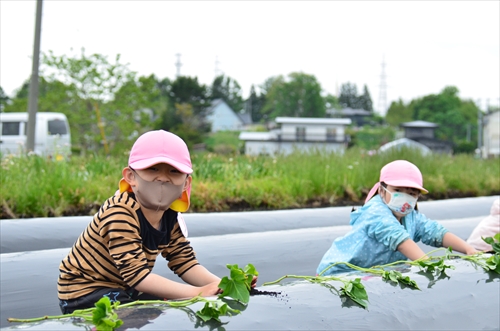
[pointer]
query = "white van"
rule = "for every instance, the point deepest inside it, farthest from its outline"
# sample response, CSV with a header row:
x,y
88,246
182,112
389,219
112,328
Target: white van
x,y
52,135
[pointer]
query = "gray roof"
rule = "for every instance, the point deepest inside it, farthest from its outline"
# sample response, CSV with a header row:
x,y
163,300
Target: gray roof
x,y
349,112
419,124
313,120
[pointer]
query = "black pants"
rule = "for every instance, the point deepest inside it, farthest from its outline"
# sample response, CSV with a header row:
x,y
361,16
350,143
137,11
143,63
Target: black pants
x,y
114,294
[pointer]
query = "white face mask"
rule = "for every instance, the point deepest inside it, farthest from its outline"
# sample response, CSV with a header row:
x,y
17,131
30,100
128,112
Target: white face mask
x,y
401,203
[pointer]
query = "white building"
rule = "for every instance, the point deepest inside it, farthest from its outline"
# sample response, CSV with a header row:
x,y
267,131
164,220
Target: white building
x,y
491,135
299,134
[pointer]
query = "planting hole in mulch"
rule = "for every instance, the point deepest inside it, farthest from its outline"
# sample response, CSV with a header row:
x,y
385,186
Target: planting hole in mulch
x,y
254,291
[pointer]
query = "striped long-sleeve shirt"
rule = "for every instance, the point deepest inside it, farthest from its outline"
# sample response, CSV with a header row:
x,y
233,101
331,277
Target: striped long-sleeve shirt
x,y
118,249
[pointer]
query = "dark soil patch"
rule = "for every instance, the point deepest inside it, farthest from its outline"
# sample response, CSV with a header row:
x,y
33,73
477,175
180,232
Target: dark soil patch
x,y
254,291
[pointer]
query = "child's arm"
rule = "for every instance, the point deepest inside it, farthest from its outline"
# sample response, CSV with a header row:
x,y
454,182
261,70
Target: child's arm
x,y
165,288
199,276
458,244
411,250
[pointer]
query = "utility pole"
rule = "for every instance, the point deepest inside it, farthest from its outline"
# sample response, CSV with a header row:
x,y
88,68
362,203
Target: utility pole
x,y
217,71
382,92
33,91
178,64
479,128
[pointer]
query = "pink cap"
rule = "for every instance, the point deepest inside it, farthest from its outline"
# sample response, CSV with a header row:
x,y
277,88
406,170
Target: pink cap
x,y
160,146
399,173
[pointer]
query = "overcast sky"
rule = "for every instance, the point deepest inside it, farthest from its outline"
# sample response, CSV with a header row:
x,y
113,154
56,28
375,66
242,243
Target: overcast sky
x,y
426,45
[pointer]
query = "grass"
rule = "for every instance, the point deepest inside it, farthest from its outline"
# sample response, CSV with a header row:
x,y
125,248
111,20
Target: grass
x,y
37,187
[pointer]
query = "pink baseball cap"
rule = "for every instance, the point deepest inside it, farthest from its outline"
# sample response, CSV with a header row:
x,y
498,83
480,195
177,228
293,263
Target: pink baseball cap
x,y
399,173
160,146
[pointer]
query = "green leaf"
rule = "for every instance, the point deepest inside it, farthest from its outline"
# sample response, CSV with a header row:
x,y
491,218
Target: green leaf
x,y
209,312
104,317
236,289
488,240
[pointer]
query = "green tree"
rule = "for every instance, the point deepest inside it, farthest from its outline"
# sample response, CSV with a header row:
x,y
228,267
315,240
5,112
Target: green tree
x,y
457,118
398,113
365,100
349,96
93,81
140,103
332,102
229,90
186,114
4,99
254,104
299,96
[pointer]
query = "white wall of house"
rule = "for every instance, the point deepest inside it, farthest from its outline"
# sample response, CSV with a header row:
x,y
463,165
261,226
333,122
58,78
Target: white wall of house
x,y
290,147
491,135
223,118
315,134
255,148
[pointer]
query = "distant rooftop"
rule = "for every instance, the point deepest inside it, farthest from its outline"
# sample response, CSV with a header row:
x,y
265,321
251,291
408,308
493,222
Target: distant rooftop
x,y
313,120
419,124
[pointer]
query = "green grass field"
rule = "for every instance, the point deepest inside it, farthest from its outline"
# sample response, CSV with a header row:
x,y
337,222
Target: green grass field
x,y
37,187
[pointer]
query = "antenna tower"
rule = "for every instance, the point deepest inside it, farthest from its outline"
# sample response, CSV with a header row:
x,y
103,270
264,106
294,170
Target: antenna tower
x,y
382,92
178,64
217,70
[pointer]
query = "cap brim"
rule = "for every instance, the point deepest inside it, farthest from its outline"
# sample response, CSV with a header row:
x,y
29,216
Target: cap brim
x,y
143,164
406,183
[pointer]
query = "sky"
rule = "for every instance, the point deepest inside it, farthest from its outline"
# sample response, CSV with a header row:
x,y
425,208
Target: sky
x,y
413,48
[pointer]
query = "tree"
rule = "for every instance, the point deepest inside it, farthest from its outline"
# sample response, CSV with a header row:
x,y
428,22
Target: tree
x,y
398,113
457,118
254,104
365,100
141,103
4,99
186,114
332,102
299,96
229,90
94,81
349,96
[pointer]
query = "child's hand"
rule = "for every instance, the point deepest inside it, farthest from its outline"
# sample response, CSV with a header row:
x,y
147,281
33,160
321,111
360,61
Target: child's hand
x,y
209,289
471,251
254,282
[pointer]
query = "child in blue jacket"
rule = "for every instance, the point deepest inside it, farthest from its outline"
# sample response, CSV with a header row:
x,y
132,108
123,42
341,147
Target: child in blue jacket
x,y
388,225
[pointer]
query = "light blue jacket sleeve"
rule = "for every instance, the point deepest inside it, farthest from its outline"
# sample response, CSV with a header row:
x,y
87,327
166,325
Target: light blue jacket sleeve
x,y
428,231
388,232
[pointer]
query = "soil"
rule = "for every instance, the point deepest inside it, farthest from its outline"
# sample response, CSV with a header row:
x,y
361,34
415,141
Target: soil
x,y
255,291
235,205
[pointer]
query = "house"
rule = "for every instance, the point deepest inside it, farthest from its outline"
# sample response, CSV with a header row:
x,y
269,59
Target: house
x,y
424,132
223,118
298,133
491,135
359,117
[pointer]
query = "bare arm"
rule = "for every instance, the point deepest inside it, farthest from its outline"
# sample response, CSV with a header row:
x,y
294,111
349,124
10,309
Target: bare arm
x,y
165,288
458,244
411,250
199,276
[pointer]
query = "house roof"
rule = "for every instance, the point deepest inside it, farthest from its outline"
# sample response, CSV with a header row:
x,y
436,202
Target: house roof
x,y
313,120
348,112
419,124
245,118
258,136
405,142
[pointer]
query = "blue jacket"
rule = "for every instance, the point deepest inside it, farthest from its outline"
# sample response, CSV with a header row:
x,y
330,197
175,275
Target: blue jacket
x,y
376,235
